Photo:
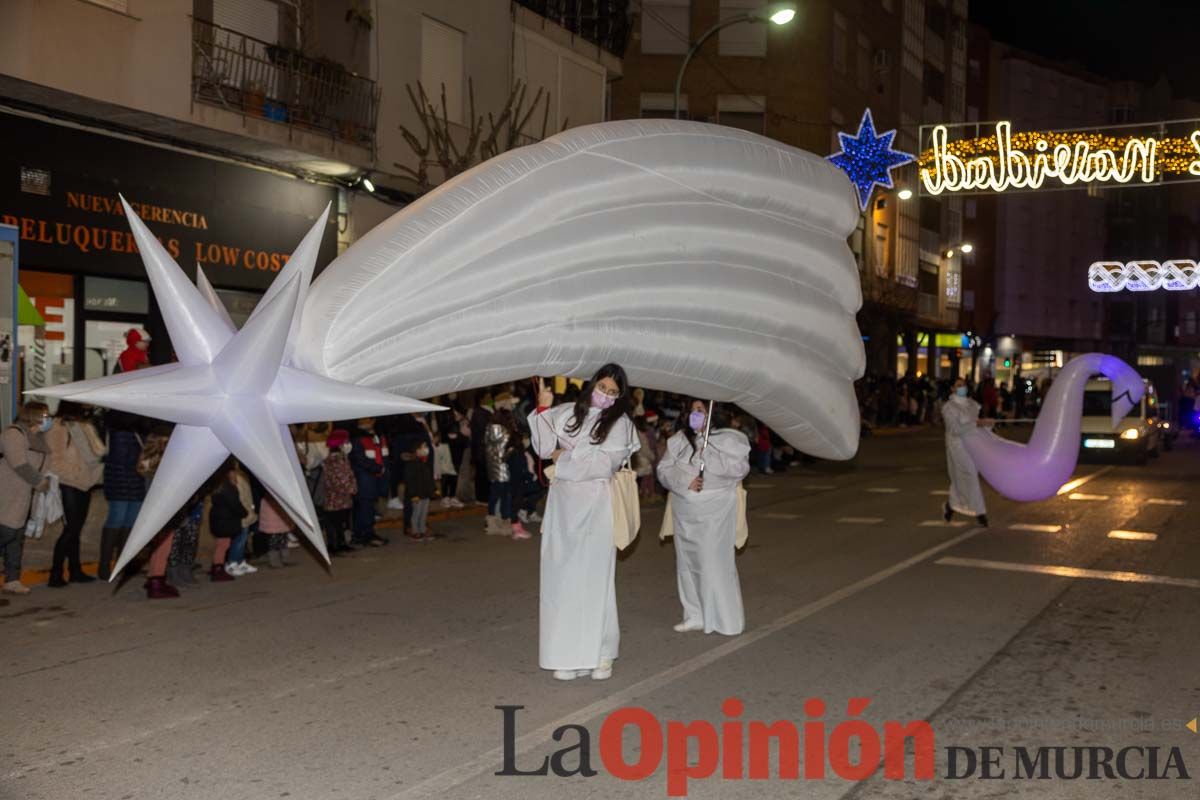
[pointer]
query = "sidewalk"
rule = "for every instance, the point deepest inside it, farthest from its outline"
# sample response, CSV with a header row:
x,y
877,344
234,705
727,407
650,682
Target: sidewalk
x,y
38,553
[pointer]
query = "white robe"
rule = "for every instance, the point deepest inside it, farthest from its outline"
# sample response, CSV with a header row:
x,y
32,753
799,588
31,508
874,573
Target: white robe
x,y
577,623
966,495
705,525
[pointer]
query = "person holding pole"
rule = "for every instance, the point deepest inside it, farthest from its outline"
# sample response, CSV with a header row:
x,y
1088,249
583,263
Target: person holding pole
x,y
588,440
703,470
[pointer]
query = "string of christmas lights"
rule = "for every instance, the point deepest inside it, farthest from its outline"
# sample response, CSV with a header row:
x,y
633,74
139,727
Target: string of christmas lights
x,y
1143,276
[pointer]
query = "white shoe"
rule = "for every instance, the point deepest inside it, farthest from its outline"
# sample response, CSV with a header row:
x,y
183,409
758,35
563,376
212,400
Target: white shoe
x,y
604,671
292,542
234,569
686,626
247,568
534,517
523,515
570,674
396,504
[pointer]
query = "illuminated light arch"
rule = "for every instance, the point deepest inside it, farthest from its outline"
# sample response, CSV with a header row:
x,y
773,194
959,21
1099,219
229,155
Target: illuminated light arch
x,y
1177,275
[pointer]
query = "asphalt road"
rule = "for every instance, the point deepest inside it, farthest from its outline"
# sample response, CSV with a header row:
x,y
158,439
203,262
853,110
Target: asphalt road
x,y
380,679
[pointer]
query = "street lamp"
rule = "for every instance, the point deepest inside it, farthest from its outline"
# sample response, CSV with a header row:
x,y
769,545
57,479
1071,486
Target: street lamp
x,y
904,194
964,248
775,13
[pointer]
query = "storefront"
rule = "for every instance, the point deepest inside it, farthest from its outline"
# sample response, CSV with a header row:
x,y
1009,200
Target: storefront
x,y
79,266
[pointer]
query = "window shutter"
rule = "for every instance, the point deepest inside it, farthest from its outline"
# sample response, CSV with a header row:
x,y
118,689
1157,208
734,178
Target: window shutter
x,y
442,52
258,19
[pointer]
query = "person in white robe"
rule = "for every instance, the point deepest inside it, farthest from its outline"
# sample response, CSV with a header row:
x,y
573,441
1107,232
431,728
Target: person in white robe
x,y
960,415
705,519
589,441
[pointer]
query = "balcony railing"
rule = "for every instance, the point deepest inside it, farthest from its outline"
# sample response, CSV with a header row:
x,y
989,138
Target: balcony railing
x,y
604,23
250,76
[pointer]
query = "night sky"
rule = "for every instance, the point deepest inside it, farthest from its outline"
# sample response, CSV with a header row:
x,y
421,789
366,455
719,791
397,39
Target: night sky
x,y
1123,40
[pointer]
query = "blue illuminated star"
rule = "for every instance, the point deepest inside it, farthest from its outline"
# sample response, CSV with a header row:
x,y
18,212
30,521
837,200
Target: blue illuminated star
x,y
868,158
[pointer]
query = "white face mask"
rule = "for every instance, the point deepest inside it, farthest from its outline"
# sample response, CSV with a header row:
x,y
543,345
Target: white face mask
x,y
346,448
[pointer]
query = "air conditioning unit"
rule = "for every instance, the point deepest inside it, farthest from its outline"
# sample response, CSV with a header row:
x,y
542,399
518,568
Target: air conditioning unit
x,y
883,60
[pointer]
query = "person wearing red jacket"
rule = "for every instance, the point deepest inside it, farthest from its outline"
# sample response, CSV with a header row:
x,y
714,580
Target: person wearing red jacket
x,y
135,355
369,457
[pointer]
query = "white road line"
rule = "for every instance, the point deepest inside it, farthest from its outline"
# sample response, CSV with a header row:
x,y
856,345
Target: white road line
x,y
1071,486
860,520
1159,501
781,515
1071,572
941,492
485,763
1028,526
941,523
818,486
1082,496
1134,536
883,489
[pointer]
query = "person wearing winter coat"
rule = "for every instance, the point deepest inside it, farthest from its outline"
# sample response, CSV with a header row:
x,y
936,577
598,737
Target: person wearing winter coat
x,y
225,516
500,442
369,457
23,456
338,488
75,453
235,561
124,485
135,355
419,487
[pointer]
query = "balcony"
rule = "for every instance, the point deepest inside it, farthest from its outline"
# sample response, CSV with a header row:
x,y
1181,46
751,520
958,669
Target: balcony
x,y
240,73
604,23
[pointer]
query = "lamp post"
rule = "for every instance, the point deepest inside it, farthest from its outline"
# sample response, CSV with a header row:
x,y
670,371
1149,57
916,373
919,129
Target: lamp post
x,y
776,13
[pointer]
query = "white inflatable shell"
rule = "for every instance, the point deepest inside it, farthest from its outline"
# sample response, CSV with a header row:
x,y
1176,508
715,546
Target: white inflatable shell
x,y
703,259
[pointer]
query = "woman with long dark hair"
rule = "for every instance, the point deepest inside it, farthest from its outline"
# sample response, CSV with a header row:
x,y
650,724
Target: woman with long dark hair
x,y
704,518
589,440
75,453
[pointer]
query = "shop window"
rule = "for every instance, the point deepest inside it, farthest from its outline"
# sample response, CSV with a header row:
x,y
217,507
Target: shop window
x,y
46,343
666,26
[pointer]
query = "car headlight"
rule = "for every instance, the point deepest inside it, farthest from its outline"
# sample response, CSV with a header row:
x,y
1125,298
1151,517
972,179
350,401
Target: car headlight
x,y
1132,433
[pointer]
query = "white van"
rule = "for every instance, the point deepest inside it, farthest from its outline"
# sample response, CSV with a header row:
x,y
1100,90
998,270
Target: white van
x,y
1137,437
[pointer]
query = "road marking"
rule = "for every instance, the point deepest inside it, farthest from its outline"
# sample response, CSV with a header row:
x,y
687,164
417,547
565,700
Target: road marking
x,y
941,492
760,485
486,763
883,489
1082,496
818,486
1028,526
1159,501
941,523
1136,536
1071,572
860,520
781,515
1071,486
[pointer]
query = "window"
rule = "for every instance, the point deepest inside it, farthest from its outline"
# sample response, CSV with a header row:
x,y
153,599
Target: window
x,y
970,208
255,18
666,26
742,40
974,69
863,65
935,84
741,111
840,43
442,64
661,105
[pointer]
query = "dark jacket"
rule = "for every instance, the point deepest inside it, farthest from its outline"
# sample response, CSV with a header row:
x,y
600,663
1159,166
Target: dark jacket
x,y
225,516
370,472
121,478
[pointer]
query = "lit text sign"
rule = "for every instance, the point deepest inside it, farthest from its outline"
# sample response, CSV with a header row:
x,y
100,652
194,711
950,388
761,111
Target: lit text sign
x,y
1028,160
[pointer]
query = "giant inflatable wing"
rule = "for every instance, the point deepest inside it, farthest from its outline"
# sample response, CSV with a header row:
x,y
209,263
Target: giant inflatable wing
x,y
705,260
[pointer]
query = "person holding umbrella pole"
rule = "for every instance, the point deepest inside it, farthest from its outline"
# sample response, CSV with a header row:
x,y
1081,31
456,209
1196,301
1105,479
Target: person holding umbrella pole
x,y
703,470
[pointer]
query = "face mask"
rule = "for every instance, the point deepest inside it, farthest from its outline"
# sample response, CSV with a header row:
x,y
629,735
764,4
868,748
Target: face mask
x,y
46,423
961,391
602,401
346,448
696,420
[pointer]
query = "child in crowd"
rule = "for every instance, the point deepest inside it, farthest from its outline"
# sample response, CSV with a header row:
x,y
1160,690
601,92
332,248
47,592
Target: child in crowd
x,y
275,524
225,521
443,458
236,563
419,488
337,491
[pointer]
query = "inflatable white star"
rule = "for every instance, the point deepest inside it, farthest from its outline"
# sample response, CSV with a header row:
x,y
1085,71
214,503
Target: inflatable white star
x,y
231,391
